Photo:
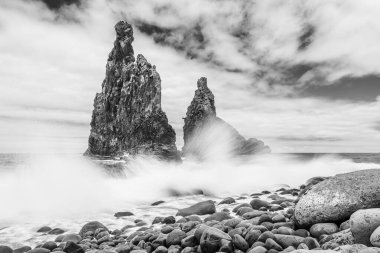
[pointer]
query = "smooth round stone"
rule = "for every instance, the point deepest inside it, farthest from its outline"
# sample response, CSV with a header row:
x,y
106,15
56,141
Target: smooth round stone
x,y
218,216
363,223
228,200
5,249
189,241
278,218
258,249
72,238
169,220
44,229
285,231
211,239
201,208
161,249
39,250
256,204
175,237
22,249
272,244
239,243
56,231
236,208
49,245
375,237
336,198
91,226
252,236
323,229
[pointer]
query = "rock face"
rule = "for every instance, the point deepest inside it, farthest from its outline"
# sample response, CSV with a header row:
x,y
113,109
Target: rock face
x,y
127,116
204,129
336,198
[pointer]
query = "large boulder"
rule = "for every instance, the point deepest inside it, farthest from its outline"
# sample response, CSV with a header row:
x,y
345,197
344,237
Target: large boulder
x,y
127,118
201,208
363,223
336,198
206,135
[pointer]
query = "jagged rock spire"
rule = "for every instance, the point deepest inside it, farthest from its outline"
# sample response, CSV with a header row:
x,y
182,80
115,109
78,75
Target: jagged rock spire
x,y
203,129
127,116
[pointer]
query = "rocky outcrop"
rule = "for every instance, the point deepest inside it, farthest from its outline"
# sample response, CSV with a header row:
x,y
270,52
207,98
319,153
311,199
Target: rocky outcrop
x,y
203,128
127,116
336,198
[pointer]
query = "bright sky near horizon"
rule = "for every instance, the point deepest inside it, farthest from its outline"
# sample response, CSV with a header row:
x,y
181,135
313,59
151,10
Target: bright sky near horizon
x,y
302,75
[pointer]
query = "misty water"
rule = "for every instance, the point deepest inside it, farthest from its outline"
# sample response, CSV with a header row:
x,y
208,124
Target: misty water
x,y
65,191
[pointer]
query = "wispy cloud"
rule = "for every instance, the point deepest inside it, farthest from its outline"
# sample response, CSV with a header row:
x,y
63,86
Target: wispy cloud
x,y
257,56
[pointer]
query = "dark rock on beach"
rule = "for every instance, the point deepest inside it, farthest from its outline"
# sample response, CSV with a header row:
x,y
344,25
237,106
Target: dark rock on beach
x,y
336,198
22,249
127,116
91,226
201,208
5,249
123,214
44,229
200,115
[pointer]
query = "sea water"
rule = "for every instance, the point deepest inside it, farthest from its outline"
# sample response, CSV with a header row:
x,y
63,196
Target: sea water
x,y
66,191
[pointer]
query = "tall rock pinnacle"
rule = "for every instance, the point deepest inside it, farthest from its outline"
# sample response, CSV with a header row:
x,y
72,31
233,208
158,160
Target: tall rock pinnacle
x,y
203,129
127,116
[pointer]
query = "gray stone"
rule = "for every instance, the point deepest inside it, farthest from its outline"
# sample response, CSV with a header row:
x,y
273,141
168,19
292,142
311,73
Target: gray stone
x,y
272,244
72,238
344,237
228,200
258,249
38,250
91,226
218,216
375,237
211,240
49,245
201,208
288,240
256,204
239,243
336,198
175,237
253,214
5,249
123,214
363,223
189,241
44,229
22,249
323,229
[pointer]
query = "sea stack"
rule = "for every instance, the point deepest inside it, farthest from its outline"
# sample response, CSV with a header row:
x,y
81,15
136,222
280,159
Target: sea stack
x,y
204,129
127,118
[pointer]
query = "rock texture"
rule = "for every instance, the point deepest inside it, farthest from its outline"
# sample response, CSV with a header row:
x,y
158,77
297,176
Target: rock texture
x,y
127,116
336,198
201,123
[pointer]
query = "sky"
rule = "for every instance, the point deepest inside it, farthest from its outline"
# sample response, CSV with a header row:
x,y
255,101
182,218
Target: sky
x,y
301,75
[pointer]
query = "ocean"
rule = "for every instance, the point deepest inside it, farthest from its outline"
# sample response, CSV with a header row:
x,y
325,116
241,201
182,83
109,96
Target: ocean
x,y
66,191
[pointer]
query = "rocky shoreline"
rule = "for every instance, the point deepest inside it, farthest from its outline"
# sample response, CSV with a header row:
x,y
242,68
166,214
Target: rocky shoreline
x,y
263,222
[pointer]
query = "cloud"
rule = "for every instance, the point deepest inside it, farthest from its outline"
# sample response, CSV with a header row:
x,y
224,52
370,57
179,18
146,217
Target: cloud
x,y
257,55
